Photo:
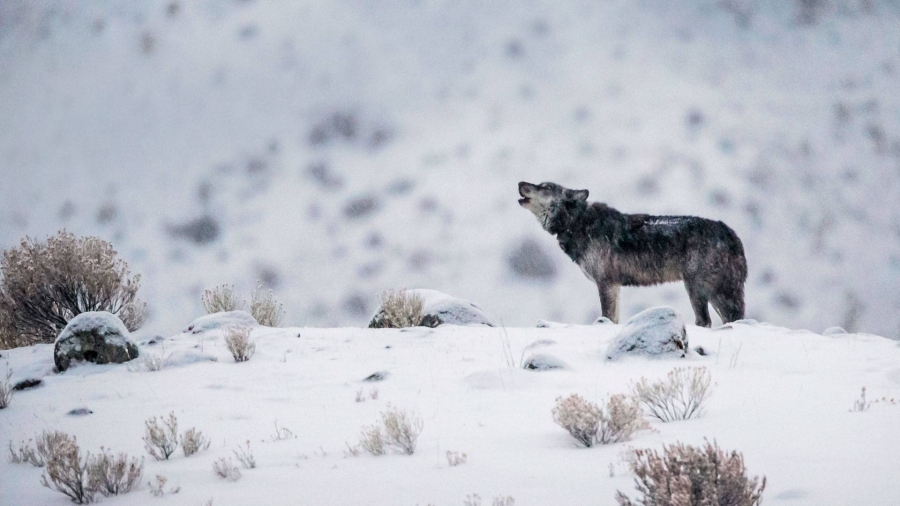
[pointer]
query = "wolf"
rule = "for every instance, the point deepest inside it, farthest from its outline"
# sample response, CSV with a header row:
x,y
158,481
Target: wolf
x,y
615,249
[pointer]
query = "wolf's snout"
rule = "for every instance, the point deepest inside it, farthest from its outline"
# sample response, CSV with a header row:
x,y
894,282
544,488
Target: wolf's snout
x,y
524,190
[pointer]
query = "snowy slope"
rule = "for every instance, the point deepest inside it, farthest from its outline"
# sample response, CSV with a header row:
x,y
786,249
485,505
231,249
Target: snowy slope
x,y
782,397
337,149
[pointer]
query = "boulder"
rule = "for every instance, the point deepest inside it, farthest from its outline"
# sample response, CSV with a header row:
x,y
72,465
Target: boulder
x,y
542,362
655,332
440,308
222,320
94,336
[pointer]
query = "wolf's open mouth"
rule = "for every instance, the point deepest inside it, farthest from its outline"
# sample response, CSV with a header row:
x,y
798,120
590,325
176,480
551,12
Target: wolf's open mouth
x,y
524,200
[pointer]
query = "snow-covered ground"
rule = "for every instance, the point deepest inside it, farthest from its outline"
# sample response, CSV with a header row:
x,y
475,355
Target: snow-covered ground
x,y
782,397
338,149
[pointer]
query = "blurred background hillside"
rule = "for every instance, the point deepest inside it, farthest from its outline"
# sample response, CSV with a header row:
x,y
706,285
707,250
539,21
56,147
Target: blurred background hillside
x,y
336,149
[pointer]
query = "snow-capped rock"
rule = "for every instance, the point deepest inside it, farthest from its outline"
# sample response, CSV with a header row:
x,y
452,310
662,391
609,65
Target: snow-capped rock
x,y
440,308
543,362
657,332
218,321
94,336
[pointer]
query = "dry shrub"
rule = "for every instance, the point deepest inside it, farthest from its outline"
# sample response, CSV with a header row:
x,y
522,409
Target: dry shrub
x,y
263,306
193,441
66,470
161,440
226,469
26,453
149,362
678,397
238,342
475,500
371,439
245,457
400,309
401,429
265,309
456,458
46,284
689,476
858,405
591,424
6,390
282,433
111,474
221,299
158,488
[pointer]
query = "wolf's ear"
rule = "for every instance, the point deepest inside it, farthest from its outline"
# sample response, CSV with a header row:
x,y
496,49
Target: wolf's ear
x,y
577,194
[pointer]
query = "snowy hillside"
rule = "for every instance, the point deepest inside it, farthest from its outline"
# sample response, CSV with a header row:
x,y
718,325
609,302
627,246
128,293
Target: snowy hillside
x,y
782,397
337,149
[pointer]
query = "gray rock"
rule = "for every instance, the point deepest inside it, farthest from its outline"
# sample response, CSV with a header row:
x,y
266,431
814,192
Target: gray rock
x,y
80,412
25,384
655,332
376,376
94,336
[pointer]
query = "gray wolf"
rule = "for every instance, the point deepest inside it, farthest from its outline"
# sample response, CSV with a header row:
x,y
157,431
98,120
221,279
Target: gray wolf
x,y
615,249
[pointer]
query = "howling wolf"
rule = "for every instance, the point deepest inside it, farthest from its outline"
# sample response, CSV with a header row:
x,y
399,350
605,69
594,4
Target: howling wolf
x,y
615,249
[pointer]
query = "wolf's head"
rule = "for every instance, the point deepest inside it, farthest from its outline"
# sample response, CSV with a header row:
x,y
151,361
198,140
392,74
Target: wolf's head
x,y
545,199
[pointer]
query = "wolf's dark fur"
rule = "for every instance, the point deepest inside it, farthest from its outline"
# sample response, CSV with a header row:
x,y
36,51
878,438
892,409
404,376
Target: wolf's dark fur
x,y
615,249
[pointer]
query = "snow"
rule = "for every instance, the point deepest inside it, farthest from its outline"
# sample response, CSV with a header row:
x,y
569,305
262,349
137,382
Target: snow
x,y
782,397
654,332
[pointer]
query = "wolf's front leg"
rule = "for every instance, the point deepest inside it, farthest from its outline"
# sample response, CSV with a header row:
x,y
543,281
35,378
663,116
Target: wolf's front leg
x,y
609,300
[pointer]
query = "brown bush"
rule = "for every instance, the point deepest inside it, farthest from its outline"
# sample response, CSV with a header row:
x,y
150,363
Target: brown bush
x,y
689,476
591,424
399,309
45,284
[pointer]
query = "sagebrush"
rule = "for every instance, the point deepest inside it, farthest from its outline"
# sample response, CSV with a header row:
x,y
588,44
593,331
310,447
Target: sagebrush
x,y
399,309
82,477
591,424
46,284
680,396
161,437
397,429
690,476
237,340
222,299
226,469
266,310
192,441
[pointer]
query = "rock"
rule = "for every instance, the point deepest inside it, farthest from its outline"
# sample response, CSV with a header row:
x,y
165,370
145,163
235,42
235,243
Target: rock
x,y
440,308
602,321
25,384
655,332
80,412
833,331
547,324
376,376
701,351
541,362
94,336
218,321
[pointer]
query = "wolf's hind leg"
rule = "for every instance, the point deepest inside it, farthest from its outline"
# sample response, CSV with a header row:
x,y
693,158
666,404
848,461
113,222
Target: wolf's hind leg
x,y
700,303
729,304
609,301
